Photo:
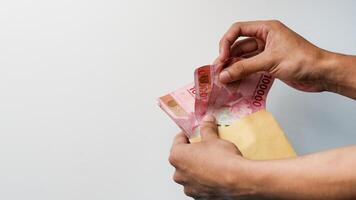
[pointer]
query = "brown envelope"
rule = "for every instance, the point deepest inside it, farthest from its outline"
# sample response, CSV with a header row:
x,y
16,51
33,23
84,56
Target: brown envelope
x,y
258,136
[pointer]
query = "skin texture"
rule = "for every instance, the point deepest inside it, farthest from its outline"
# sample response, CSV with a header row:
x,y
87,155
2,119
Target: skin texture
x,y
215,169
275,48
199,165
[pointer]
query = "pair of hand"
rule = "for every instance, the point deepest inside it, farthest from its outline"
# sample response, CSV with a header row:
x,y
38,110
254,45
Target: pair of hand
x,y
214,168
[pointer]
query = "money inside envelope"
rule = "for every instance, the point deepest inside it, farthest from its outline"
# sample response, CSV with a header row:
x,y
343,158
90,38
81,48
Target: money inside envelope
x,y
239,109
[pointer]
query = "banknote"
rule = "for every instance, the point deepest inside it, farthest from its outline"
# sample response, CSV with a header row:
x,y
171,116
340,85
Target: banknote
x,y
230,102
180,106
206,95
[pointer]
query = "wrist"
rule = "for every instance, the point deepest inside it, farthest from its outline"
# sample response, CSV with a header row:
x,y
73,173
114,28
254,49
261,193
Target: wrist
x,y
262,179
338,72
243,179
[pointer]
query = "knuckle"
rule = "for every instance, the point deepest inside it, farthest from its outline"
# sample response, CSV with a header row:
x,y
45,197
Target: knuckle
x,y
275,23
189,192
180,134
178,178
236,24
237,70
225,40
222,41
173,160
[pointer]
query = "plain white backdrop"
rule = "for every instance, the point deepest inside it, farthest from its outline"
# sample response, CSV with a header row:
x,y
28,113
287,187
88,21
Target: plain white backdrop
x,y
79,81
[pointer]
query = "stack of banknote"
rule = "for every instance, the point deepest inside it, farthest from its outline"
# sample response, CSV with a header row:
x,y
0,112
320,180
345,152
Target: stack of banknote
x,y
238,107
206,95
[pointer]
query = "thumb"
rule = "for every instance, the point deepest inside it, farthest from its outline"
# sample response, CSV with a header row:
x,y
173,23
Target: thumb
x,y
245,67
208,128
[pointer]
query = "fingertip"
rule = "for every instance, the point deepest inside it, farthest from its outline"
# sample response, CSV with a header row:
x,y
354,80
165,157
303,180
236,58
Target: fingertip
x,y
208,128
209,118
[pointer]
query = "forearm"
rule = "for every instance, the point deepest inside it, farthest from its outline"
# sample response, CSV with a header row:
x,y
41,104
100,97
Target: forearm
x,y
326,175
340,73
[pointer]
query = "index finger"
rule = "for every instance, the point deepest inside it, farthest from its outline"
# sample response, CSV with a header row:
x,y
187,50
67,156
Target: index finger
x,y
257,29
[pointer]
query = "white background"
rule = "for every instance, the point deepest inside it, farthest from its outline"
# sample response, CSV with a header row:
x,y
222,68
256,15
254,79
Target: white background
x,y
79,79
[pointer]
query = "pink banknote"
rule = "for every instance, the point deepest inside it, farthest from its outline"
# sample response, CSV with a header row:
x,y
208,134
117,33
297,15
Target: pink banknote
x,y
179,105
188,105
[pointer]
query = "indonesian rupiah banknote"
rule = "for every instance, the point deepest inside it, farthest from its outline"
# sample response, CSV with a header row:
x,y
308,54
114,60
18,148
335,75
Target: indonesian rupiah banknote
x,y
228,103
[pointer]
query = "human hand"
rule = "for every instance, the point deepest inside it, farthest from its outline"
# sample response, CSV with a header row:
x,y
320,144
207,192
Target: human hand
x,y
209,169
215,170
274,48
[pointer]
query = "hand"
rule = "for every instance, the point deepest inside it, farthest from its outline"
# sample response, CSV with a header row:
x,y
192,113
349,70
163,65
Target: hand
x,y
274,48
214,169
207,169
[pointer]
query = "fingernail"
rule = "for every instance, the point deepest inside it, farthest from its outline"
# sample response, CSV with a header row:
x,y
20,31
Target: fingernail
x,y
224,76
208,118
